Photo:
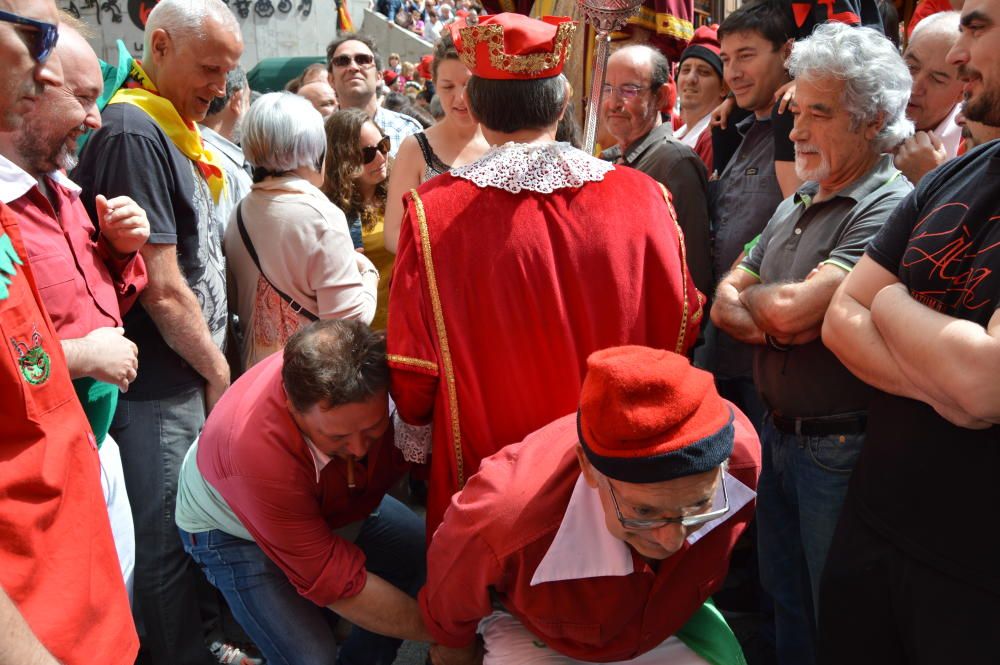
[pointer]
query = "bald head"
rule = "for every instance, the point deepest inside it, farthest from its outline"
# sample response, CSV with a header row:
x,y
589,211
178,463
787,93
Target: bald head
x,y
47,139
936,86
191,46
640,54
81,68
322,97
634,92
183,19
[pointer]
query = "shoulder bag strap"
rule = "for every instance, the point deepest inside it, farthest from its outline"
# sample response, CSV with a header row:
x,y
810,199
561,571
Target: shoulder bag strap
x,y
296,307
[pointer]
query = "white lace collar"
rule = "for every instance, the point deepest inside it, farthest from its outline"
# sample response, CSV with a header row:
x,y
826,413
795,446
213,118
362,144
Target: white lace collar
x,y
536,167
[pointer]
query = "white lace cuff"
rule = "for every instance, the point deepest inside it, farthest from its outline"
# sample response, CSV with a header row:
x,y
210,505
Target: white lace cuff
x,y
414,441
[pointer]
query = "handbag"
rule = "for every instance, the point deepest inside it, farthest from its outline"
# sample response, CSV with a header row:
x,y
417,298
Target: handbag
x,y
296,307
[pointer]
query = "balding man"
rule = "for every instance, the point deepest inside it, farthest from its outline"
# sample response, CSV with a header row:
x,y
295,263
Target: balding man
x,y
321,95
935,97
150,149
85,285
633,96
62,599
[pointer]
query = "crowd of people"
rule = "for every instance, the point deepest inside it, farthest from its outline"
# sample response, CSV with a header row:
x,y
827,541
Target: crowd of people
x,y
761,318
428,18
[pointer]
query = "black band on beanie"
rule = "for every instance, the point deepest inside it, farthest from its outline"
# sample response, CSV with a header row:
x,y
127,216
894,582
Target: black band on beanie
x,y
709,56
698,457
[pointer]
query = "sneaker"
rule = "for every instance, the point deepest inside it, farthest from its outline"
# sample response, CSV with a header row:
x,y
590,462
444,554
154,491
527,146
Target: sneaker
x,y
228,654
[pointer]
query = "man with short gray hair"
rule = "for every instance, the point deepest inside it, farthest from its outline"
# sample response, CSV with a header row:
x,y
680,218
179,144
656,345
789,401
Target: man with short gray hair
x,y
220,130
635,91
852,88
150,149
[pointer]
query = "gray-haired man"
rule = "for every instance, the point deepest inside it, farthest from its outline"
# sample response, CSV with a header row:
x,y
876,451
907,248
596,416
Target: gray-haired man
x,y
852,88
221,132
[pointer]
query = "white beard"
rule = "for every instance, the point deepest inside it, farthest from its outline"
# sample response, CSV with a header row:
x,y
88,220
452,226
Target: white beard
x,y
815,174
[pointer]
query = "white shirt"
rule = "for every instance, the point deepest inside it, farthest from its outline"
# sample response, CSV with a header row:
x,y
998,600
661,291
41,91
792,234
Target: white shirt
x,y
949,132
689,137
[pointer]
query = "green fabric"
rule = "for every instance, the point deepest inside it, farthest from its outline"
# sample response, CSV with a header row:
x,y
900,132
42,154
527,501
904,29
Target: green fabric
x,y
99,401
9,260
708,635
114,78
750,245
271,74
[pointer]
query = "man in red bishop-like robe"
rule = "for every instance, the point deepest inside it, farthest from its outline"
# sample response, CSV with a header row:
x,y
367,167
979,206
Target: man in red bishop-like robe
x,y
512,270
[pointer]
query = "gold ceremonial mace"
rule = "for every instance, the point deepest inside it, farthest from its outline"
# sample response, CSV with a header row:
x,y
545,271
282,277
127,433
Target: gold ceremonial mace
x,y
605,16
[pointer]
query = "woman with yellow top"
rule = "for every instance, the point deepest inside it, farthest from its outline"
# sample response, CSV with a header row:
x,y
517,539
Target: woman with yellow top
x,y
454,141
357,165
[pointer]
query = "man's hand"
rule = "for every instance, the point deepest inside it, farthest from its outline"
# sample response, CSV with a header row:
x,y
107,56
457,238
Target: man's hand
x,y
213,392
918,155
720,116
104,354
470,655
123,223
784,95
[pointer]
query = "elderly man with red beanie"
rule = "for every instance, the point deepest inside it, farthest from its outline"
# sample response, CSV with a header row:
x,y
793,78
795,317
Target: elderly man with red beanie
x,y
601,536
514,268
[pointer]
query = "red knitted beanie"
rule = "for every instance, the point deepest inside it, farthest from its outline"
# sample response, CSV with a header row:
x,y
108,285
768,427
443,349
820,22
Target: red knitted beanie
x,y
646,415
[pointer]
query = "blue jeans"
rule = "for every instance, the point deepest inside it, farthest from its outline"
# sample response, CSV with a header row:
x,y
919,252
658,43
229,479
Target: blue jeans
x,y
291,630
803,482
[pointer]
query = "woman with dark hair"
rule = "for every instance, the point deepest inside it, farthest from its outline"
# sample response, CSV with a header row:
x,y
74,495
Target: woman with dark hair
x,y
357,166
454,141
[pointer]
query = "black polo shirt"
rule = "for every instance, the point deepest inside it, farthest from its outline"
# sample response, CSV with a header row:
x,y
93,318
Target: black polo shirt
x,y
808,380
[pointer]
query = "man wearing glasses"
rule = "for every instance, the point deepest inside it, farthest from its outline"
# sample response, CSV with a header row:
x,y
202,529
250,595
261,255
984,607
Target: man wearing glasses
x,y
62,597
354,73
601,536
633,96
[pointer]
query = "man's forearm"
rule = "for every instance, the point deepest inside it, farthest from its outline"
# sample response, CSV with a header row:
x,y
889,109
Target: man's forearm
x,y
79,357
849,332
788,309
382,608
732,316
178,317
951,360
18,644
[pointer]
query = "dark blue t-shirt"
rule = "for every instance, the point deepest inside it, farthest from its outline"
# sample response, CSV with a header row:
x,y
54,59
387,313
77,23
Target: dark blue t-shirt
x,y
131,156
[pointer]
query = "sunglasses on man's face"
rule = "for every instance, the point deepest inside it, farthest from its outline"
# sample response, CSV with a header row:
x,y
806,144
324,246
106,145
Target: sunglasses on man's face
x,y
368,152
360,59
43,35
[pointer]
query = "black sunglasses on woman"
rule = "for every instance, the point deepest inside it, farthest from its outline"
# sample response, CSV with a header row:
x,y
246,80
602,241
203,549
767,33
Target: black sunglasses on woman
x,y
368,152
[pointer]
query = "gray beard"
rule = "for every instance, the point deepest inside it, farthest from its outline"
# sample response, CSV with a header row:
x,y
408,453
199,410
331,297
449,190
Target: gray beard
x,y
67,160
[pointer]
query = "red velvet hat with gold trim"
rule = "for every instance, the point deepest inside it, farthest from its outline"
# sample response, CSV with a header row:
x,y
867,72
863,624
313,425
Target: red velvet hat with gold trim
x,y
646,416
514,46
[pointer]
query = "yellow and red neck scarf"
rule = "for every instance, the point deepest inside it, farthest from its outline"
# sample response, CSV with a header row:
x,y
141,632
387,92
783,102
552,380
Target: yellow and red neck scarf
x,y
142,93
